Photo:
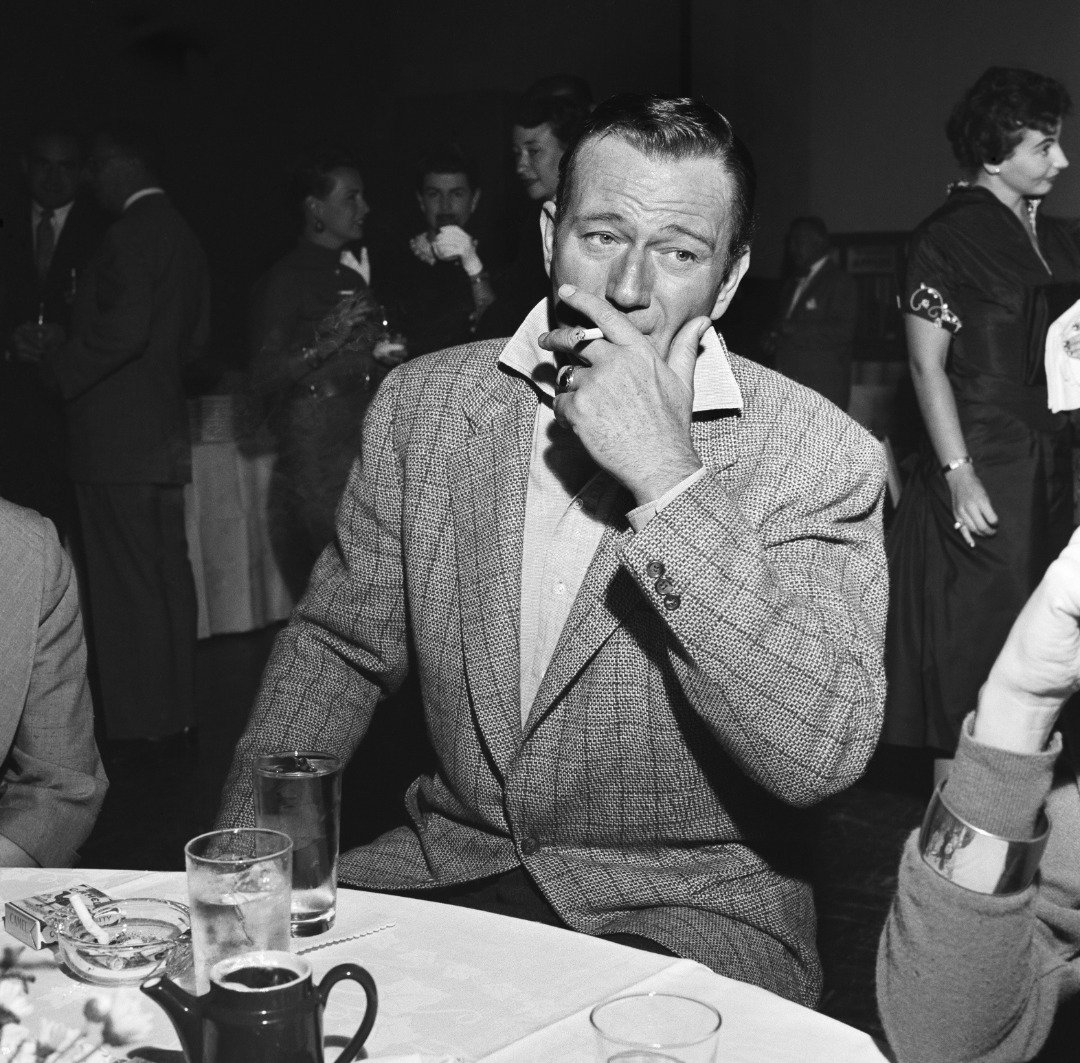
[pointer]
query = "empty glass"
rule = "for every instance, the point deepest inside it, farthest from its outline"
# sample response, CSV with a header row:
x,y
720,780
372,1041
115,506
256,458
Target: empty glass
x,y
655,1028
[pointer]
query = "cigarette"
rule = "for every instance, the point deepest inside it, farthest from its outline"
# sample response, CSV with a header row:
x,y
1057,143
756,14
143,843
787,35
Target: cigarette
x,y
591,334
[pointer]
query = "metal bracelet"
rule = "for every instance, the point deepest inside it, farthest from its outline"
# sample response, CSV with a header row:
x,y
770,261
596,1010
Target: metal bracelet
x,y
975,859
950,466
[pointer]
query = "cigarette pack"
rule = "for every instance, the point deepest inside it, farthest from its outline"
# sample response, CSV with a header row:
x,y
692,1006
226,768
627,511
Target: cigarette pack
x,y
33,920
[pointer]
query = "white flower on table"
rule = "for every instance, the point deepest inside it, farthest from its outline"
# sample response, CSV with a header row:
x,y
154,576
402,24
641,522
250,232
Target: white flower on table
x,y
128,1020
13,997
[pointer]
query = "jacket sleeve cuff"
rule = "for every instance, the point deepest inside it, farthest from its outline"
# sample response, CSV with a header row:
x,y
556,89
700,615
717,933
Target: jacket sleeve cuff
x,y
996,790
641,515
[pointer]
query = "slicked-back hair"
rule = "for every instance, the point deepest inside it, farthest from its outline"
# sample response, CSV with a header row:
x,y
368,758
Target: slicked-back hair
x,y
447,158
131,140
311,174
678,127
990,119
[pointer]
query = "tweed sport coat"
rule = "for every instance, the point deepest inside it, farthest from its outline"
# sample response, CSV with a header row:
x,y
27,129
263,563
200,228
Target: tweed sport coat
x,y
52,782
651,788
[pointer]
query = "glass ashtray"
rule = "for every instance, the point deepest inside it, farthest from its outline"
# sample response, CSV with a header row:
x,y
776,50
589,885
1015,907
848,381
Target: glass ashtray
x,y
143,932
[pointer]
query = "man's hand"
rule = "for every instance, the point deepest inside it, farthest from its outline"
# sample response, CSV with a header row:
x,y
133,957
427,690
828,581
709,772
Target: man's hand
x,y
31,341
452,242
420,246
629,406
1039,665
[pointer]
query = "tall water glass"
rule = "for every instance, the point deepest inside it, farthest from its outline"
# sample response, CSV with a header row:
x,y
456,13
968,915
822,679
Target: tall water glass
x,y
239,885
299,793
655,1028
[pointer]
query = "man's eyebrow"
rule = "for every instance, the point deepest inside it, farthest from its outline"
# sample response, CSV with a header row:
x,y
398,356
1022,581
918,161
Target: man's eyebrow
x,y
674,227
609,217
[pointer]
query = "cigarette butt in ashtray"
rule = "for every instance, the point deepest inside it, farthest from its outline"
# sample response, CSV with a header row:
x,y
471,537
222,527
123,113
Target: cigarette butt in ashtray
x,y
101,935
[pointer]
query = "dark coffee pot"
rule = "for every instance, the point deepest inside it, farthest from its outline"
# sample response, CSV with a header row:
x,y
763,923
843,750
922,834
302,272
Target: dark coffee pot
x,y
262,1008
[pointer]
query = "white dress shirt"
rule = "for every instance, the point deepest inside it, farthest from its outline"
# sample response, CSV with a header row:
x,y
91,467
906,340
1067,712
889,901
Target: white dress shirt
x,y
58,220
570,502
804,283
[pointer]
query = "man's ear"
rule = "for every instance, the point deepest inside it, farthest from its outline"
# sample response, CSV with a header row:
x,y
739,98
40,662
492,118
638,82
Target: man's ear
x,y
475,202
419,201
547,232
729,287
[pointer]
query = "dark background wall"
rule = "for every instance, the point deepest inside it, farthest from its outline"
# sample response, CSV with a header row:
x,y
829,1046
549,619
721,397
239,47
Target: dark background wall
x,y
841,101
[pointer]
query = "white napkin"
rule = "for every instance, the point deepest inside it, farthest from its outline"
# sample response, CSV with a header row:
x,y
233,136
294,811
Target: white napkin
x,y
1062,372
417,1057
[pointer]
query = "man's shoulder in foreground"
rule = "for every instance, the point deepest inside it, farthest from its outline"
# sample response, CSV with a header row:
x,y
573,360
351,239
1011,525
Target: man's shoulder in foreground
x,y
22,530
793,407
452,374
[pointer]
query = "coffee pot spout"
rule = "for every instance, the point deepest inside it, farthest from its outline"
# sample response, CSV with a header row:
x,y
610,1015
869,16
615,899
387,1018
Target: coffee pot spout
x,y
184,1011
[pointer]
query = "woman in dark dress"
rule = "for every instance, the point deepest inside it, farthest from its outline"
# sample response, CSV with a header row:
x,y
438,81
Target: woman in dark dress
x,y
991,502
543,128
318,357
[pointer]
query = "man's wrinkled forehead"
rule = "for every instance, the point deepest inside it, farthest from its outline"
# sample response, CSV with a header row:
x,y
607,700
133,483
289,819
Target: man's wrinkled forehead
x,y
654,181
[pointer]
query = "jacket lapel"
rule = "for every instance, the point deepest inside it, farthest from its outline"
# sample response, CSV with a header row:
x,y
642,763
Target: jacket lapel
x,y
490,478
606,597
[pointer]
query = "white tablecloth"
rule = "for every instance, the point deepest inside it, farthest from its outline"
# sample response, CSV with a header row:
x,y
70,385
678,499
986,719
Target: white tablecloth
x,y
237,582
475,985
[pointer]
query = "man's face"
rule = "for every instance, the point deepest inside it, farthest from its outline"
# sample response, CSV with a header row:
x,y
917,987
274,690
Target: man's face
x,y
53,169
446,199
648,235
805,246
537,152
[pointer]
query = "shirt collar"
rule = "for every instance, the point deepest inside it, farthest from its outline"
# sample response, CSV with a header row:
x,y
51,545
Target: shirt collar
x,y
135,196
59,214
715,386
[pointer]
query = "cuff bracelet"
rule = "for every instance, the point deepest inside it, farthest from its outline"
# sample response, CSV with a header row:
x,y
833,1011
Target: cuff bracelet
x,y
975,859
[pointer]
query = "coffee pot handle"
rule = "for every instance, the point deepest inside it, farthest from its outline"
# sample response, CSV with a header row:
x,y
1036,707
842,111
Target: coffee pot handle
x,y
357,974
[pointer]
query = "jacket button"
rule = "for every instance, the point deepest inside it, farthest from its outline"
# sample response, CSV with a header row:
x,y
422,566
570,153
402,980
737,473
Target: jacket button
x,y
654,569
672,602
529,846
663,585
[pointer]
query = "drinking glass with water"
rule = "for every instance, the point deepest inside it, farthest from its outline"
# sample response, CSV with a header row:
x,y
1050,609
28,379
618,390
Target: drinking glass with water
x,y
299,794
239,884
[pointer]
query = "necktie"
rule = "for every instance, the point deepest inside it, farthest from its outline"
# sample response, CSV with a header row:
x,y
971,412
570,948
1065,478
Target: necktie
x,y
44,243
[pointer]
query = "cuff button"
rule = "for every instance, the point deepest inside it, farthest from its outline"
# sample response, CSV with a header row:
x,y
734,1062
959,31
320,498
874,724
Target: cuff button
x,y
672,602
655,569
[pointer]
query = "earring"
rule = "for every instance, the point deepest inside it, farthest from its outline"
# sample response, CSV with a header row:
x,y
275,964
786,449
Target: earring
x,y
994,169
319,227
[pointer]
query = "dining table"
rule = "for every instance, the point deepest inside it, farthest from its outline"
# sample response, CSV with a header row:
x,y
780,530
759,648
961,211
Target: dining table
x,y
453,983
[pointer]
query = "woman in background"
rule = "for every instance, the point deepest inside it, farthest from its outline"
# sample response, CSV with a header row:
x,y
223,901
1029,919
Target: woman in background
x,y
543,128
317,360
991,502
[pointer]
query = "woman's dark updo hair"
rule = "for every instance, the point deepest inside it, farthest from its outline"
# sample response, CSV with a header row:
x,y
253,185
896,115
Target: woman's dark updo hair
x,y
311,175
991,118
565,116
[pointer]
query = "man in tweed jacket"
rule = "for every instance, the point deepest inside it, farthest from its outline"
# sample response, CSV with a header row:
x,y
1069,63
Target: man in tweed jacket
x,y
628,725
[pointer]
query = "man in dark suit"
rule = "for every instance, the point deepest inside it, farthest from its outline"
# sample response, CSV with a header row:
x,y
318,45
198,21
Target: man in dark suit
x,y
48,237
139,316
641,580
811,341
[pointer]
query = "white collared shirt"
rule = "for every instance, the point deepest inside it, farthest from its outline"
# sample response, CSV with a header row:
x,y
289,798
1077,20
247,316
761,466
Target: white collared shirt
x,y
58,220
153,190
569,502
804,283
